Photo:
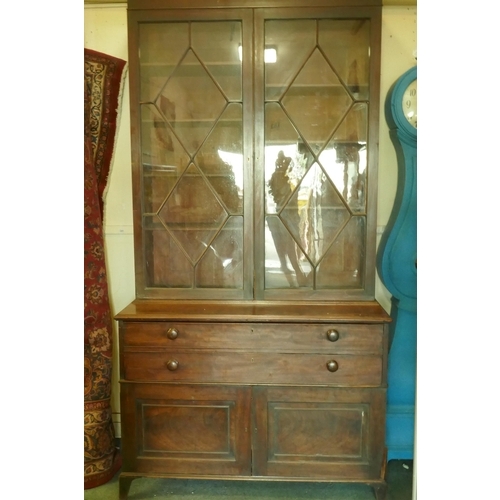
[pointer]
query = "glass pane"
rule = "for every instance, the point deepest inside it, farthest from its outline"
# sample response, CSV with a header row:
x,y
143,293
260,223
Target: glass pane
x,y
343,264
346,44
345,159
354,126
163,157
221,158
316,102
286,265
217,45
166,264
294,41
162,47
196,100
222,264
324,213
193,214
283,145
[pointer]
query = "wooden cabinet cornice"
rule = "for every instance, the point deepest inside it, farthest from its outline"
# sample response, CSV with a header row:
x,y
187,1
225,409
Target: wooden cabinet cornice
x,y
252,4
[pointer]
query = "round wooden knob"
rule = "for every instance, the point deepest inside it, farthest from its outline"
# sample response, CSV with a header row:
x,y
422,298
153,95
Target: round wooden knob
x,y
172,333
332,366
172,365
332,335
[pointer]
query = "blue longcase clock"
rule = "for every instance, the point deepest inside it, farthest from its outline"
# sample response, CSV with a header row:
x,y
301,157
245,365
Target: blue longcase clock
x,y
397,267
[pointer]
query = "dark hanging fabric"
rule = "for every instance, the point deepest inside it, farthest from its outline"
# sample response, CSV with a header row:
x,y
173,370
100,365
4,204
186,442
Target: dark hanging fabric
x,y
103,78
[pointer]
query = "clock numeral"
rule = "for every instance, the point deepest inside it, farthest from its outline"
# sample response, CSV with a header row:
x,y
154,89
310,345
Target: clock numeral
x,y
413,92
408,103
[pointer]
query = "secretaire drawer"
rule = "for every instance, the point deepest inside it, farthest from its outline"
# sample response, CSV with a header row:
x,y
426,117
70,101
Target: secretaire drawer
x,y
252,368
293,337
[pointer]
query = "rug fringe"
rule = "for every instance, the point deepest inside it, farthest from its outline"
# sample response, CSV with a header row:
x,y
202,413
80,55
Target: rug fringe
x,y
118,126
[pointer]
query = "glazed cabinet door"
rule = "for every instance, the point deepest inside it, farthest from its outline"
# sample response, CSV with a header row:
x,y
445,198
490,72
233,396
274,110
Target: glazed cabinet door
x,y
186,429
316,118
319,432
191,107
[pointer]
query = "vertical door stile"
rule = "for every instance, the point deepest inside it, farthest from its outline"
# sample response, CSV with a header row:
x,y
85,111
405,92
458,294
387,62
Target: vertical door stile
x,y
253,431
373,134
135,127
259,181
248,150
259,417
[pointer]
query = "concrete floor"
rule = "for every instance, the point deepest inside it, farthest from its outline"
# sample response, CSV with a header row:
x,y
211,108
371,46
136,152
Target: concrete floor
x,y
399,479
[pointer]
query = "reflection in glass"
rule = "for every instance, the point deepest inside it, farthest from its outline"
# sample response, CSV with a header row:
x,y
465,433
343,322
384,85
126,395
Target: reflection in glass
x,y
325,214
285,246
344,159
307,227
346,167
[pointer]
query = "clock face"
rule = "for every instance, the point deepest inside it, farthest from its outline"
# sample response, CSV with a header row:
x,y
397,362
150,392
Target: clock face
x,y
409,103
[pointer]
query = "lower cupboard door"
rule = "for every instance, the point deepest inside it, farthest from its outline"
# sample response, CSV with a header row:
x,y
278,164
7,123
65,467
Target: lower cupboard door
x,y
186,429
322,433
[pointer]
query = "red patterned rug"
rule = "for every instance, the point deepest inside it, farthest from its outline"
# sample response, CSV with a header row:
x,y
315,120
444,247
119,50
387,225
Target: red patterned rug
x,y
103,80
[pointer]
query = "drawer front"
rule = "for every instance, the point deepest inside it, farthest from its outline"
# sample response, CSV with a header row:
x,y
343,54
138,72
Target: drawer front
x,y
253,368
316,337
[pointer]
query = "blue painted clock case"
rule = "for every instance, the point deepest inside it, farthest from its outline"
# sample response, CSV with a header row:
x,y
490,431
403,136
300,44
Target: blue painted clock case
x,y
397,268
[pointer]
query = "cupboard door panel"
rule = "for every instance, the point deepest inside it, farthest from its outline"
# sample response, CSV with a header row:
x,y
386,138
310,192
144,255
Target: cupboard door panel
x,y
319,432
186,429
